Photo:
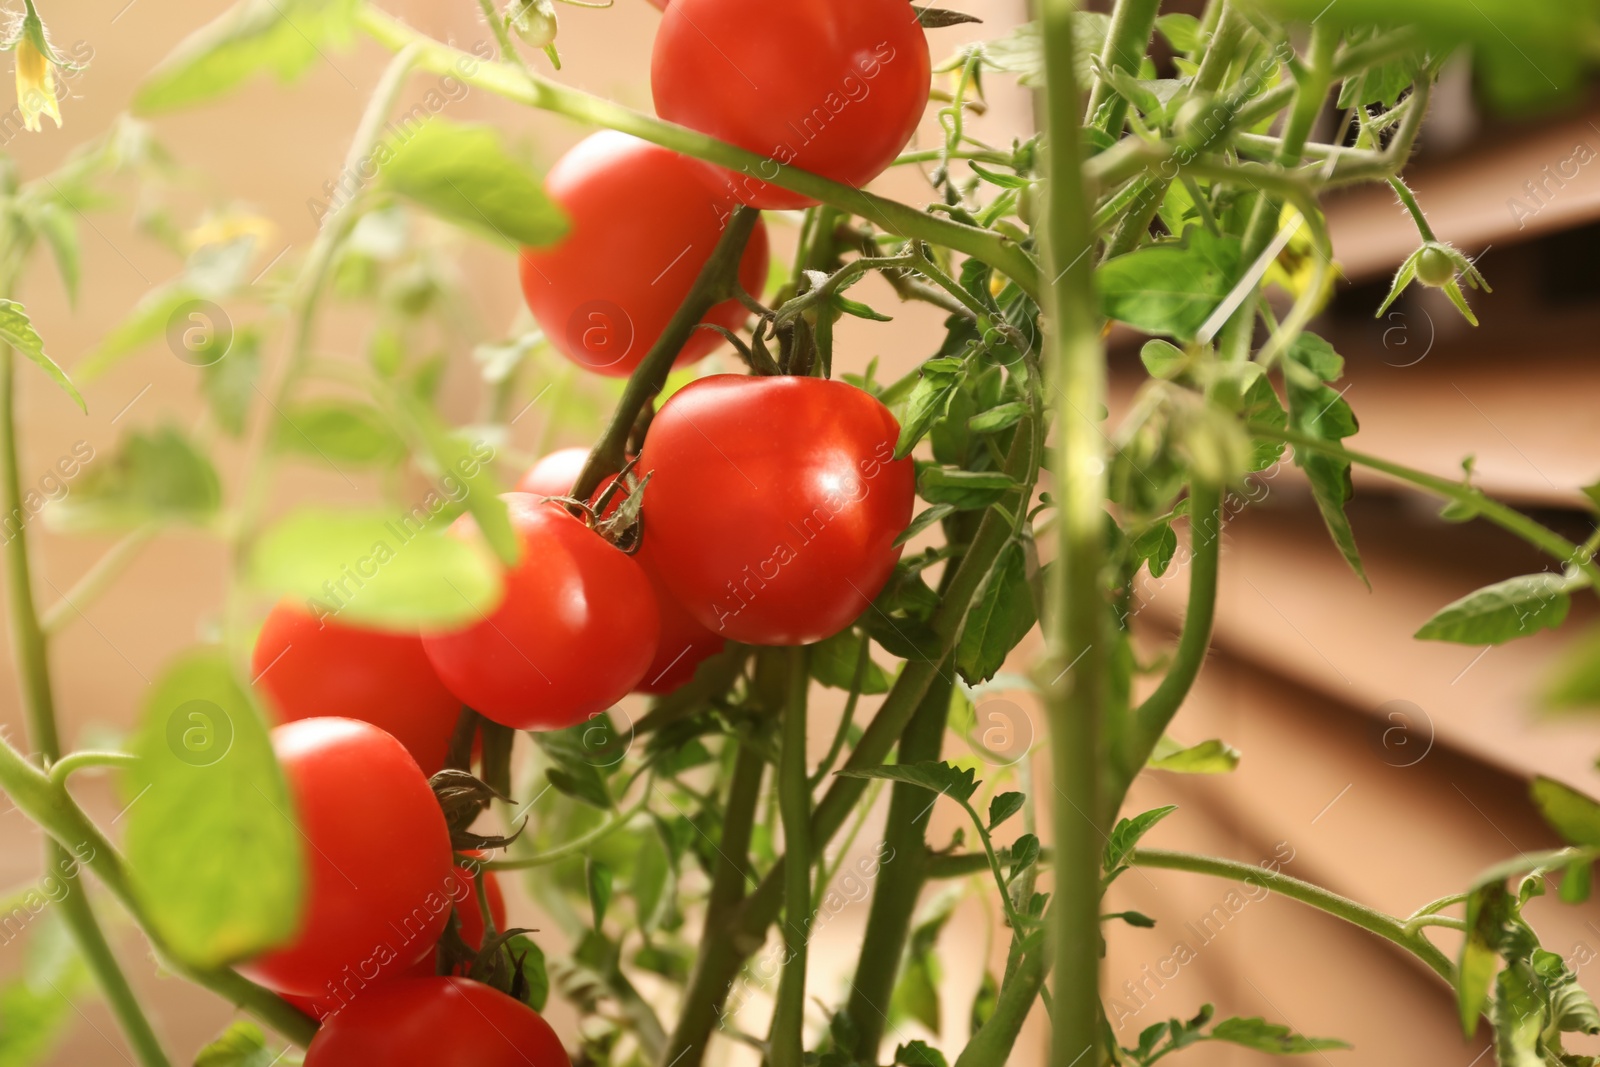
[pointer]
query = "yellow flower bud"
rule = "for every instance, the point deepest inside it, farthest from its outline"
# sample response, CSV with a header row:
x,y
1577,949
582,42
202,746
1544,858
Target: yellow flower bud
x,y
36,86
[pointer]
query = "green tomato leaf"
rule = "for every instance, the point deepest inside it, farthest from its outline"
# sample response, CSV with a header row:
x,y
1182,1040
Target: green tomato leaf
x,y
944,778
1003,806
1155,548
930,397
919,1054
1170,287
465,175
1571,814
963,490
998,418
599,878
242,1044
213,850
1024,853
229,384
1181,31
1319,411
1001,617
17,331
159,476
1502,612
1518,1015
1163,359
1021,52
1275,1038
529,958
339,433
37,1005
391,570
283,37
1208,757
924,520
466,464
1576,682
833,663
1125,836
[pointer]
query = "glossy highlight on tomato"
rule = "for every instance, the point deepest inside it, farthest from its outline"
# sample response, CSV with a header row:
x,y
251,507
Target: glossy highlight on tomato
x,y
436,1022
378,860
555,474
835,87
311,668
774,504
644,220
574,633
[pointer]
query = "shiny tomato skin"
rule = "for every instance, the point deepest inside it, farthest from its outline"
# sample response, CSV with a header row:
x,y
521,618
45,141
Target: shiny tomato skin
x,y
436,1022
684,643
774,504
643,220
555,474
465,895
378,861
313,669
573,634
835,87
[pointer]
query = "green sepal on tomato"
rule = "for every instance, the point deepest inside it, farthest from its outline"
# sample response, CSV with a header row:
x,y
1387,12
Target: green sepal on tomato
x,y
643,222
774,504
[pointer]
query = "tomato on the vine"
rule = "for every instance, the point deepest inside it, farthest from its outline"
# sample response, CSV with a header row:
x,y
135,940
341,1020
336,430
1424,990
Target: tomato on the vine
x,y
835,87
311,668
378,861
573,634
555,474
436,1022
644,221
774,504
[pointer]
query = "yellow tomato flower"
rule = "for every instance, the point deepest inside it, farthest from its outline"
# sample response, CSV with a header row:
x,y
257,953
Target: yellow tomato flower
x,y
36,85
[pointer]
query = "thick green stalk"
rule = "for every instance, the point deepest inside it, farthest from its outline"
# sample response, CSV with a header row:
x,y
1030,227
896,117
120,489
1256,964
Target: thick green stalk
x,y
1073,676
719,964
787,1042
901,877
1150,719
991,1046
31,655
1385,926
1127,41
1000,252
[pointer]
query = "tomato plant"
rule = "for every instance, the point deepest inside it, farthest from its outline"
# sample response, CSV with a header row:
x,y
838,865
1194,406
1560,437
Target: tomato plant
x,y
378,854
809,468
746,622
314,668
437,1022
575,631
835,87
643,221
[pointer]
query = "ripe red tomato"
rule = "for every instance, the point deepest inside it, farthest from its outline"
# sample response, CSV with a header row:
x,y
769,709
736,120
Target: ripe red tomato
x,y
311,669
835,87
437,1022
574,633
774,504
644,220
684,643
555,474
378,860
465,895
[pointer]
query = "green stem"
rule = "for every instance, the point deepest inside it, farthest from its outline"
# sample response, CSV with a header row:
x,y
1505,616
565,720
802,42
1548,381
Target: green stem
x,y
67,765
1502,515
901,876
1000,252
1409,199
1127,41
1073,677
848,717
48,805
991,1046
96,580
713,285
1150,720
577,846
1385,926
31,657
787,1041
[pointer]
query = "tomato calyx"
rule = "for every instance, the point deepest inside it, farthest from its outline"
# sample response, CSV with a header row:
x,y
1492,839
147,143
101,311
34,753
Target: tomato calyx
x,y
497,964
463,797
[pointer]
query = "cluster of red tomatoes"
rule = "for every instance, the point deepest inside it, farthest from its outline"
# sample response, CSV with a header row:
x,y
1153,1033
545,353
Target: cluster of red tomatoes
x,y
769,517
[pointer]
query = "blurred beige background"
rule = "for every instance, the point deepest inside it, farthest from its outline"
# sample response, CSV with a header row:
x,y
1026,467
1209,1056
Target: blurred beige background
x,y
1391,803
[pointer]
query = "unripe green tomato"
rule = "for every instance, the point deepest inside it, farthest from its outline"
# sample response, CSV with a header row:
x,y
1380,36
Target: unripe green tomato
x,y
1435,267
1025,204
534,21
